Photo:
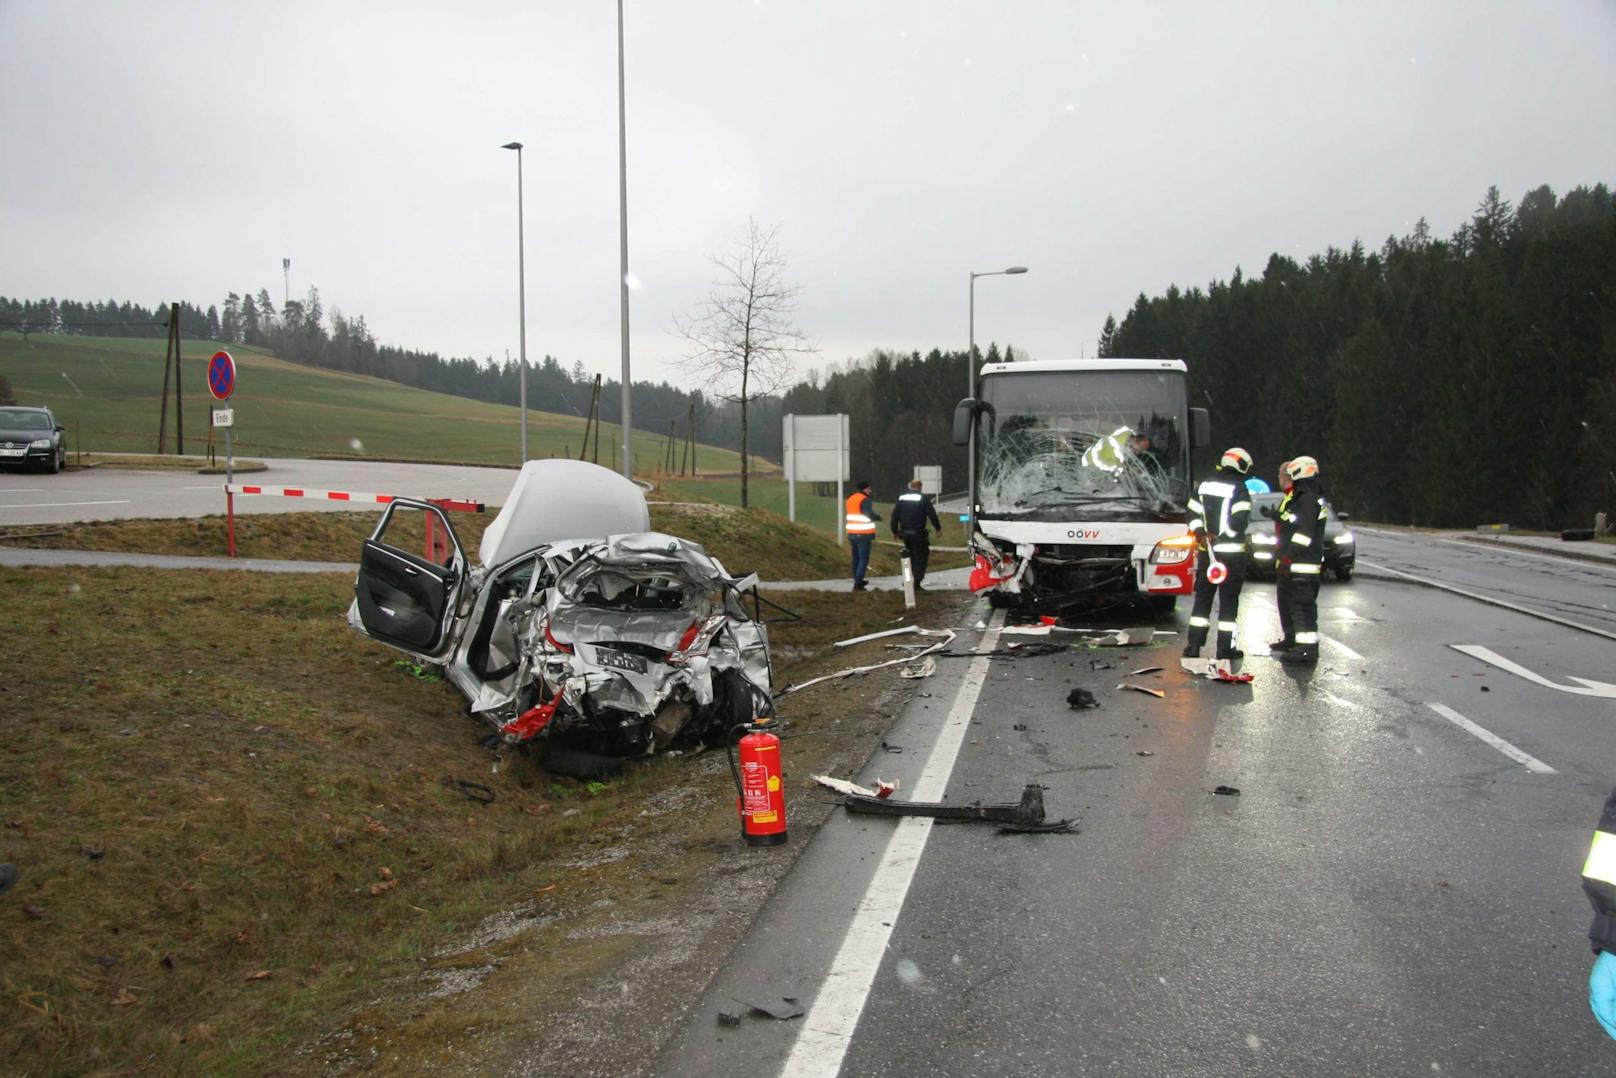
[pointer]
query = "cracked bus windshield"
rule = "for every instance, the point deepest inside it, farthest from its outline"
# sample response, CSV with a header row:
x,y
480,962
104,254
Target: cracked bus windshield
x,y
1111,442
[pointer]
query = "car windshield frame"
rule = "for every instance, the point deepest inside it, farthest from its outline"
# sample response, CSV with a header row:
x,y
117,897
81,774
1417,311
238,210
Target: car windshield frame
x,y
1120,450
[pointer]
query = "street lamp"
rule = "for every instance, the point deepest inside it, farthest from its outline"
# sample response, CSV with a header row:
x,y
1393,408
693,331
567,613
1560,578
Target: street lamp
x,y
970,388
622,239
521,288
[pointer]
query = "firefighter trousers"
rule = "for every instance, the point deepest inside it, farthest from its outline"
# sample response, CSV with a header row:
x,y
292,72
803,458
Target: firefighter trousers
x,y
1298,602
1228,598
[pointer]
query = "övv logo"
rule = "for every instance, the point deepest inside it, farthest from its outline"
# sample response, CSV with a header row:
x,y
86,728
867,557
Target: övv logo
x,y
1083,533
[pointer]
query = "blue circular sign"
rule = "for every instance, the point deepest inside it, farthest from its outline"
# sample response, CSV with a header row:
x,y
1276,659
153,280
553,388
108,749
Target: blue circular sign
x,y
221,375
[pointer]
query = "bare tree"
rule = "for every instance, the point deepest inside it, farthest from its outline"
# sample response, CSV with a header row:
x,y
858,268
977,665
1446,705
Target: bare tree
x,y
743,341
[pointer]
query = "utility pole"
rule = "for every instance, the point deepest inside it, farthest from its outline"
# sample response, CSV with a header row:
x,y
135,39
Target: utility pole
x,y
286,283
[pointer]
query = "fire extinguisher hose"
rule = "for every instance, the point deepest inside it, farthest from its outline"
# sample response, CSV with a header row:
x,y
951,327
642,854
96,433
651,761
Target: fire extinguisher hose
x,y
729,750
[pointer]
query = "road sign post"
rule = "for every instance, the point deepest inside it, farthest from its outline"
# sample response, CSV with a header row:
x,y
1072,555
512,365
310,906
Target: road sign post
x,y
222,383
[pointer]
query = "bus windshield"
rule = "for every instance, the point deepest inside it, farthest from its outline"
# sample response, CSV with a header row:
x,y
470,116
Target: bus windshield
x,y
1114,444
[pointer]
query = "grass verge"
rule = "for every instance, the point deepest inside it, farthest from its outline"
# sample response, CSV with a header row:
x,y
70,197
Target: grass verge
x,y
237,821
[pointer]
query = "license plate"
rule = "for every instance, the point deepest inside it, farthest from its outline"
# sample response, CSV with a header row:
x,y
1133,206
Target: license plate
x,y
620,660
13,452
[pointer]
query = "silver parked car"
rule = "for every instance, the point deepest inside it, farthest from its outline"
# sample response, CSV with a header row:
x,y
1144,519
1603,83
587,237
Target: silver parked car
x,y
620,642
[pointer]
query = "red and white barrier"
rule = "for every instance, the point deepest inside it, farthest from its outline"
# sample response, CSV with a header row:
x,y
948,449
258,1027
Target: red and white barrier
x,y
453,505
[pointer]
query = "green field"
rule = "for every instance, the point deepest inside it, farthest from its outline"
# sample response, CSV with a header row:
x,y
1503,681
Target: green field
x,y
286,409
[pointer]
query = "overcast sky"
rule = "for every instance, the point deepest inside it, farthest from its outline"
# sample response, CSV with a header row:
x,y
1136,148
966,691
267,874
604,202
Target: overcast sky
x,y
179,150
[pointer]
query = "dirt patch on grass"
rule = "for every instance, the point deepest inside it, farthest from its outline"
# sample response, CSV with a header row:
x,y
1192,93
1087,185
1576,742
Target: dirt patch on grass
x,y
243,850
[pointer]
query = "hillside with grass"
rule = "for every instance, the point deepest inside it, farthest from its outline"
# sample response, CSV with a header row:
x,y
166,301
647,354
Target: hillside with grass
x,y
108,392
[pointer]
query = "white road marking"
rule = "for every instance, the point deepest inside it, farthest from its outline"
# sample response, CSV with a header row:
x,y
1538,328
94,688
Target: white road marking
x,y
1584,687
1339,646
1531,762
62,505
1488,599
827,1031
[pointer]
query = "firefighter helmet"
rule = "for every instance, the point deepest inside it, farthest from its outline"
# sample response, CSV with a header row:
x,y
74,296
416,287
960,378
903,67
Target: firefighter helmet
x,y
1238,459
1301,468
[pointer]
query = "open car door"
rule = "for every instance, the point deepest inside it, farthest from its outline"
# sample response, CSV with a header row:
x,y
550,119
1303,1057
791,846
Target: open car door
x,y
412,572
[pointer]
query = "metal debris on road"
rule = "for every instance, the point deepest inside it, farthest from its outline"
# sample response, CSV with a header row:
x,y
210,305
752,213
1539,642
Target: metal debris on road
x,y
728,1018
877,636
1145,670
948,638
1026,815
1081,698
1228,791
1157,693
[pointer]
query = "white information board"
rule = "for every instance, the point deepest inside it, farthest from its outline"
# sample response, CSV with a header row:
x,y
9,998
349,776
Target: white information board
x,y
816,449
931,478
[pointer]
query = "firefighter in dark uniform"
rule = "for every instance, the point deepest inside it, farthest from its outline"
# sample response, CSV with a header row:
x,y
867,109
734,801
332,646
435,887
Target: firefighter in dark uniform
x,y
1599,883
1220,513
1300,549
909,518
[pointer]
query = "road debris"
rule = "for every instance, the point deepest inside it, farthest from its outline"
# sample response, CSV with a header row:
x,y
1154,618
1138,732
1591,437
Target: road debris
x,y
925,668
475,791
1227,791
884,788
941,645
1144,670
904,631
1026,630
781,1010
1157,693
1026,815
891,748
1081,698
1144,752
729,1018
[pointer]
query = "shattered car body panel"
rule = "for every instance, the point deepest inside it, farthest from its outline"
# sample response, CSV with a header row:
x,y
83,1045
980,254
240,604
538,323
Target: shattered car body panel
x,y
647,643
620,645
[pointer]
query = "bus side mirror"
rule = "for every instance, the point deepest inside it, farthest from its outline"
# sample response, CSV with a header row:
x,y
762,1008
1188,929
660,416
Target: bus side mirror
x,y
1200,428
964,417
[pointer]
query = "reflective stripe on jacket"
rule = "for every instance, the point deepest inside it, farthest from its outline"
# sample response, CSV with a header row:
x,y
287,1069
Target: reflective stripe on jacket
x,y
1599,879
1220,512
861,516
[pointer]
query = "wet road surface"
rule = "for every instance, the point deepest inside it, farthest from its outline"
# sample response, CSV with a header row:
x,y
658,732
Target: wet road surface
x,y
1394,890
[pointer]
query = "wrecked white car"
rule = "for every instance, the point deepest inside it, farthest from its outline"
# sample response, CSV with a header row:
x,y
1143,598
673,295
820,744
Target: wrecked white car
x,y
580,626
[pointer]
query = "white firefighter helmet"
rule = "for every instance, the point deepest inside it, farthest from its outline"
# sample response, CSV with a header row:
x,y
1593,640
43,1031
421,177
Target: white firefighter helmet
x,y
1301,468
1236,458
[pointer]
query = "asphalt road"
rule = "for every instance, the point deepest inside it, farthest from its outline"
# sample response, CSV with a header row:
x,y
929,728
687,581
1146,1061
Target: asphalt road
x,y
117,493
1394,890
1578,591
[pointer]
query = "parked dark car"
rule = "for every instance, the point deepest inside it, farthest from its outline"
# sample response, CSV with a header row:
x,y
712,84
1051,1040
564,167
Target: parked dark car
x,y
1340,549
32,436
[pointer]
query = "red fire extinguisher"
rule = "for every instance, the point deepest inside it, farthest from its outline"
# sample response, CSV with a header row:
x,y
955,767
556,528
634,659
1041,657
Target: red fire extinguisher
x,y
759,786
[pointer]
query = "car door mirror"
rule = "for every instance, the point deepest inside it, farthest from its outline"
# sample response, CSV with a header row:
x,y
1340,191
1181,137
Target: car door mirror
x,y
1200,428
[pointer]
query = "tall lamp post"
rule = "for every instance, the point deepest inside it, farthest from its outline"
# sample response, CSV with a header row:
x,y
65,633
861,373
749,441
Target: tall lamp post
x,y
521,288
622,237
970,390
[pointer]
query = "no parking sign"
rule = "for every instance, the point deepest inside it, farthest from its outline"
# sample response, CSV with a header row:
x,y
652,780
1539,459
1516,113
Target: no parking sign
x,y
222,375
222,383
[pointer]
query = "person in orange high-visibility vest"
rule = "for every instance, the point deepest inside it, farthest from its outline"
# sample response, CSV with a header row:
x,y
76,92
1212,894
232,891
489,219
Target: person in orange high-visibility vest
x,y
861,518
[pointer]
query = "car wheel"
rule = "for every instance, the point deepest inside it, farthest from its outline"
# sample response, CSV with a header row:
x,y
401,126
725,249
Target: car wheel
x,y
58,461
1343,573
